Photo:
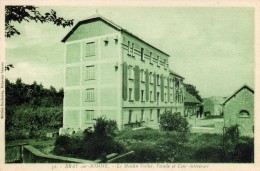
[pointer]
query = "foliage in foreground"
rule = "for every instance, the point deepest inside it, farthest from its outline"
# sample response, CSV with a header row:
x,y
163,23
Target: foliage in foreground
x,y
154,146
238,149
30,13
174,122
31,110
93,144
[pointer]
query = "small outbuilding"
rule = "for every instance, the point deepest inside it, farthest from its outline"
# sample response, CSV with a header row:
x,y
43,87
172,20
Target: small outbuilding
x,y
213,105
239,110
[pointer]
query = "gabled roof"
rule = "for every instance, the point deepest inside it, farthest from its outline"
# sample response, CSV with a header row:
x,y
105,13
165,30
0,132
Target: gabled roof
x,y
190,98
174,73
110,23
237,91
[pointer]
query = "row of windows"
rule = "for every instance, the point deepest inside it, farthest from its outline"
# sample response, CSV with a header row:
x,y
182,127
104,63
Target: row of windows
x,y
130,52
136,118
90,96
151,78
178,96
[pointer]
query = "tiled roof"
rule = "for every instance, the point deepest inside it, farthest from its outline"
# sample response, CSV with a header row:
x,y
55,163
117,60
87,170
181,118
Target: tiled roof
x,y
190,98
97,17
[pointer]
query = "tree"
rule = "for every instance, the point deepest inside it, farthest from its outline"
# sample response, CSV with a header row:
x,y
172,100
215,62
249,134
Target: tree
x,y
192,90
30,13
173,122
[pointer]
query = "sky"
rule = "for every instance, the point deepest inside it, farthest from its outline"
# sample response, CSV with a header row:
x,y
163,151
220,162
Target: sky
x,y
212,48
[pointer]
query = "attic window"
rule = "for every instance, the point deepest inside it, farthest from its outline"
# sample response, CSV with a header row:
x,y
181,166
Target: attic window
x,y
243,114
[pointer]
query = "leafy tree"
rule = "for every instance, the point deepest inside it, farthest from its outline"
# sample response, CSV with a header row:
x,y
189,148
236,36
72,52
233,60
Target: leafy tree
x,y
94,144
31,109
30,13
193,91
8,67
173,122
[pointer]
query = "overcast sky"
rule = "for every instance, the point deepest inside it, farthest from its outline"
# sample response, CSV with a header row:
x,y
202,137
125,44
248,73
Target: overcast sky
x,y
213,48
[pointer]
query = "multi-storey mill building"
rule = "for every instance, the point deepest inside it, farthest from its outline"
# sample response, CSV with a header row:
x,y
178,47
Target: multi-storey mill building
x,y
110,71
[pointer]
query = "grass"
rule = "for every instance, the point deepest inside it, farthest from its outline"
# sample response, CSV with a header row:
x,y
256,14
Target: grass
x,y
160,146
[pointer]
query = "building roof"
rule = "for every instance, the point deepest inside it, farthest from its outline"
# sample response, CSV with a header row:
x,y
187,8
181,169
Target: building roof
x,y
174,73
99,17
190,98
237,91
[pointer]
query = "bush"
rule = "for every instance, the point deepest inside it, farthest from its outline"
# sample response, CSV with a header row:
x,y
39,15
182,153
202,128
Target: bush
x,y
236,148
244,151
93,144
151,145
174,122
35,122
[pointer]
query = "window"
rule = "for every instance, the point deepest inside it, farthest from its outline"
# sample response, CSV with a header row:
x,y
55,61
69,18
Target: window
x,y
133,49
158,79
142,115
142,54
165,64
171,98
90,73
151,114
131,72
89,115
165,97
151,96
90,49
151,57
243,114
130,94
89,95
181,97
128,47
142,76
177,96
158,61
151,77
142,95
130,116
165,82
170,83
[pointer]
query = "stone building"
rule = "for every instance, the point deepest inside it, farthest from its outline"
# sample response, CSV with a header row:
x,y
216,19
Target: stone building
x,y
213,105
239,109
110,71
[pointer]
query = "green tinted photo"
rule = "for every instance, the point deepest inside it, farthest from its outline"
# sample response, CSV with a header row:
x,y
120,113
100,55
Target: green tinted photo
x,y
129,84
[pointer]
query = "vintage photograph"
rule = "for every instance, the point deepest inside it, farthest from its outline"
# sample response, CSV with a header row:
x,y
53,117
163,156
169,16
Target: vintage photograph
x,y
129,84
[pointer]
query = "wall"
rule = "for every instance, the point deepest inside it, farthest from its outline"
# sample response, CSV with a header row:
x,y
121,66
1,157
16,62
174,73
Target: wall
x,y
244,100
106,82
32,155
148,65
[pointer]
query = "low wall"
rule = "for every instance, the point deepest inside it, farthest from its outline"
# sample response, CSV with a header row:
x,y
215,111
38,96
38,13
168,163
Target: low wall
x,y
32,155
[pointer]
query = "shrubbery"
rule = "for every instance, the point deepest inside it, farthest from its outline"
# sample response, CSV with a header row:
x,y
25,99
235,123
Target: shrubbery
x,y
236,148
31,110
33,123
151,145
173,122
93,144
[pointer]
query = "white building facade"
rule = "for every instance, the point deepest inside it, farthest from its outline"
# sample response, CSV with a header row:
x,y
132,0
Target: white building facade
x,y
111,72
